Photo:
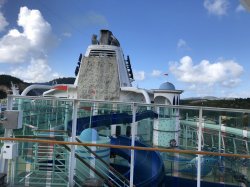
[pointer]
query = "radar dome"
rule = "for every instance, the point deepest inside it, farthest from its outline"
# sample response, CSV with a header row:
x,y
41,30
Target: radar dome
x,y
167,86
89,135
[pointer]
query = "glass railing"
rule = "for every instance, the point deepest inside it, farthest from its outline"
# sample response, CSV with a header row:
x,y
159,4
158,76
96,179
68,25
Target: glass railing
x,y
40,164
172,129
102,164
43,114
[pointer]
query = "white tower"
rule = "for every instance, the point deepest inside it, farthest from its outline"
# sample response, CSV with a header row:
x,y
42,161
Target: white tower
x,y
166,128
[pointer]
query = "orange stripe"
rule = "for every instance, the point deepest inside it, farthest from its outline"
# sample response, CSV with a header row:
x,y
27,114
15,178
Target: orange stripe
x,y
61,87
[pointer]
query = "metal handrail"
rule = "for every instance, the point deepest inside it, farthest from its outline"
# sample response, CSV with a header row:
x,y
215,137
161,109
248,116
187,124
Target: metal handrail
x,y
127,147
90,167
137,103
46,130
105,163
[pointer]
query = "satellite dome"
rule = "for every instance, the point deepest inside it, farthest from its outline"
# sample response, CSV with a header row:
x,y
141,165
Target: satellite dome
x,y
89,135
167,86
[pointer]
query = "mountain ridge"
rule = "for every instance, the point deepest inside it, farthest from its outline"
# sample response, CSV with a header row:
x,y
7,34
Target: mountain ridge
x,y
6,82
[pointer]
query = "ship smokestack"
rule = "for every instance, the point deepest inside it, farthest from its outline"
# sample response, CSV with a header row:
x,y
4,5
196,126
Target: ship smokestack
x,y
105,37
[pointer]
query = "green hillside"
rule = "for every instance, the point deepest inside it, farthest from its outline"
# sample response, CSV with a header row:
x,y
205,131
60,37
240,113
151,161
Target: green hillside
x,y
6,80
5,84
240,103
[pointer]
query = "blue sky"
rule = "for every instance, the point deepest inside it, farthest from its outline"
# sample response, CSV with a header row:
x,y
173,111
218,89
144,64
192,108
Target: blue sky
x,y
204,46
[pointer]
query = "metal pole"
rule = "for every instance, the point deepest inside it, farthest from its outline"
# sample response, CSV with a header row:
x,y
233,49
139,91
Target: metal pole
x,y
247,147
73,139
186,134
7,133
219,146
66,116
235,148
199,149
90,117
132,153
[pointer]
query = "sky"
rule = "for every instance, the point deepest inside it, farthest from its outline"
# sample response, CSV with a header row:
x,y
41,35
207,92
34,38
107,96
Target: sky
x,y
203,46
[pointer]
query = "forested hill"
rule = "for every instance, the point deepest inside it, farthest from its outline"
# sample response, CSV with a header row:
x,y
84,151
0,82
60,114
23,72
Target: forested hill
x,y
64,80
240,103
6,80
5,84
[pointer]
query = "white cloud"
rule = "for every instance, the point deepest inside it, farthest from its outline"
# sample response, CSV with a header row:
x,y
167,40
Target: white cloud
x,y
240,94
225,73
28,46
156,73
139,75
240,8
32,42
67,34
3,22
182,44
37,71
216,7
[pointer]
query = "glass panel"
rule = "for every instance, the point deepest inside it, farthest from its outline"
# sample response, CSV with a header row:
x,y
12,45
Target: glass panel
x,y
43,114
188,128
101,123
41,164
173,128
225,131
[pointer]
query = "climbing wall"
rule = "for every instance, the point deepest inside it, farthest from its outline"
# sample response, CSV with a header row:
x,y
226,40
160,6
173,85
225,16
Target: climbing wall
x,y
98,79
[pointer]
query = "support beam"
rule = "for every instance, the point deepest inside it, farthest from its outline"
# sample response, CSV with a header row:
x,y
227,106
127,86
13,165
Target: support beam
x,y
73,139
199,149
131,179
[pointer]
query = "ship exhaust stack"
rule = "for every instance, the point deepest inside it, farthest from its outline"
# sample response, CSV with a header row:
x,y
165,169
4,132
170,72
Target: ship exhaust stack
x,y
105,37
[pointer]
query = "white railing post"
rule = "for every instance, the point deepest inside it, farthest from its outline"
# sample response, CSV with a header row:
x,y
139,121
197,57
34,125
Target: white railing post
x,y
72,162
219,140
7,133
66,116
199,149
132,154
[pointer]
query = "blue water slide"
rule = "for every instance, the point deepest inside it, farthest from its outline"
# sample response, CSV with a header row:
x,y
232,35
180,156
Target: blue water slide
x,y
148,168
109,119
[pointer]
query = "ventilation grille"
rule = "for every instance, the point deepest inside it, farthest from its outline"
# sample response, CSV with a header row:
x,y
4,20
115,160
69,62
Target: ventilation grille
x,y
102,53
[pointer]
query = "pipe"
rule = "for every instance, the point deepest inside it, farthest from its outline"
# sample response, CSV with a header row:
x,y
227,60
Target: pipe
x,y
136,90
35,86
231,130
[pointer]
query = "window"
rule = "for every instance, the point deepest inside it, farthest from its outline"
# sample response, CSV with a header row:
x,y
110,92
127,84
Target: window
x,y
128,131
118,131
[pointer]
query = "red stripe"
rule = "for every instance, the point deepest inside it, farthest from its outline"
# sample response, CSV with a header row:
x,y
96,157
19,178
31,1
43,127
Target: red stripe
x,y
88,108
61,87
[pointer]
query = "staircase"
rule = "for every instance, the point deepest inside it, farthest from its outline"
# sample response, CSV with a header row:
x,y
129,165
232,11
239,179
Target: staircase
x,y
48,165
